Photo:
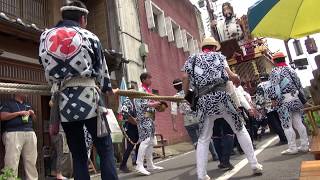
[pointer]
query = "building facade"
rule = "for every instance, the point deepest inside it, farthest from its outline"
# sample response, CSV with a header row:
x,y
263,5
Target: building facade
x,y
171,31
157,36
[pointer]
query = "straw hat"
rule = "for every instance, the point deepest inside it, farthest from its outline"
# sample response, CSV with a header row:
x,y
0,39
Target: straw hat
x,y
210,41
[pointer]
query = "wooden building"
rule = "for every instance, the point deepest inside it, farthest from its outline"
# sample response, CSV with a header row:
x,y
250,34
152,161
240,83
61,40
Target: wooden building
x,y
21,23
171,37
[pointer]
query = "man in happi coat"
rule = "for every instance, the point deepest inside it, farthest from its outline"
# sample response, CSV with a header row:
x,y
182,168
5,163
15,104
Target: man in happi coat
x,y
146,127
190,121
207,72
129,113
76,68
285,86
264,106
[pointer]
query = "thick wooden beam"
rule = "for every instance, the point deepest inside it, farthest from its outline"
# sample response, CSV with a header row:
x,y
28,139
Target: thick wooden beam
x,y
19,31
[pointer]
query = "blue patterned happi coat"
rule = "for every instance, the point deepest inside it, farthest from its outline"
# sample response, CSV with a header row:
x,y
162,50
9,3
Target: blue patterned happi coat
x,y
209,69
68,51
284,80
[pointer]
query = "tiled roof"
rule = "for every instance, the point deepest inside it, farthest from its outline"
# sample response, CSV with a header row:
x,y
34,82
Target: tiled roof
x,y
18,21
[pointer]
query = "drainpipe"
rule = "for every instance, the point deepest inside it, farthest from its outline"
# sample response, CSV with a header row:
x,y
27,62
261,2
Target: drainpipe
x,y
144,66
122,43
115,44
121,34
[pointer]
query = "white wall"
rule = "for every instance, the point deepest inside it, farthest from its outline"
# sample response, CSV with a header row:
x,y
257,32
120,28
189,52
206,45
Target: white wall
x,y
129,23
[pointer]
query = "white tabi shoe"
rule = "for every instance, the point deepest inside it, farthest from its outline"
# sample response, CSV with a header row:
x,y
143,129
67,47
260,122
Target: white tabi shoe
x,y
155,168
258,170
289,152
206,178
142,171
303,149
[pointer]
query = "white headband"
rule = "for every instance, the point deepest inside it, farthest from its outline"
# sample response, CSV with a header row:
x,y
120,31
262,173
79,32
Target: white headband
x,y
73,8
177,83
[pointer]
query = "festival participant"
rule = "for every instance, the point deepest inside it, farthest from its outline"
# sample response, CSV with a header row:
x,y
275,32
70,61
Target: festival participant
x,y
266,110
285,86
129,113
248,112
145,119
206,72
191,123
223,139
75,66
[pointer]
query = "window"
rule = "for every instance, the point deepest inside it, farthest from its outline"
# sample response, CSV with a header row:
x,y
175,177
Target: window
x,y
174,32
155,18
184,40
177,35
166,26
190,43
169,29
156,23
196,46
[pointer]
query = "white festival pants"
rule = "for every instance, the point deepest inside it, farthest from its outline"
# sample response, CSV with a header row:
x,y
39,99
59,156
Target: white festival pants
x,y
205,137
145,151
295,121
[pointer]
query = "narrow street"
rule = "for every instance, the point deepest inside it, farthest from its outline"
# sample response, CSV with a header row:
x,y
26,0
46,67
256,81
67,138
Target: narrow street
x,y
276,166
85,83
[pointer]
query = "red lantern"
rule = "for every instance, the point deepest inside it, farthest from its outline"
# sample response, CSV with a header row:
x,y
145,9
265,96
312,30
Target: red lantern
x,y
311,45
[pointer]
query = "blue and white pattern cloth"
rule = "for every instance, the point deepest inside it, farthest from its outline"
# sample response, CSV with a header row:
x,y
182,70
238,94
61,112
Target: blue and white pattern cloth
x,y
263,102
146,126
209,70
128,108
67,51
283,80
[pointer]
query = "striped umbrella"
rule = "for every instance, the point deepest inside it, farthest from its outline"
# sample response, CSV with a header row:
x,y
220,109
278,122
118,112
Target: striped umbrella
x,y
284,19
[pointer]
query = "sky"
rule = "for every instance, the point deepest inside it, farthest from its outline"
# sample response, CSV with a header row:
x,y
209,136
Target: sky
x,y
241,8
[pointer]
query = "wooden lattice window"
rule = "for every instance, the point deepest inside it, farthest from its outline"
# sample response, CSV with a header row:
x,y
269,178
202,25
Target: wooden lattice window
x,y
30,11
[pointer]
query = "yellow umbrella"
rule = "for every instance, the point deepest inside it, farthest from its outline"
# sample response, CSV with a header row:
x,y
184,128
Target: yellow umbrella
x,y
284,19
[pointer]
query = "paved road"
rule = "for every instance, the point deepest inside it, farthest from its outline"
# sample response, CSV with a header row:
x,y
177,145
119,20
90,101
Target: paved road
x,y
276,166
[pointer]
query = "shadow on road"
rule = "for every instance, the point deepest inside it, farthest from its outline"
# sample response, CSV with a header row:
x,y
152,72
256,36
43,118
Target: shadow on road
x,y
187,168
243,177
283,157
